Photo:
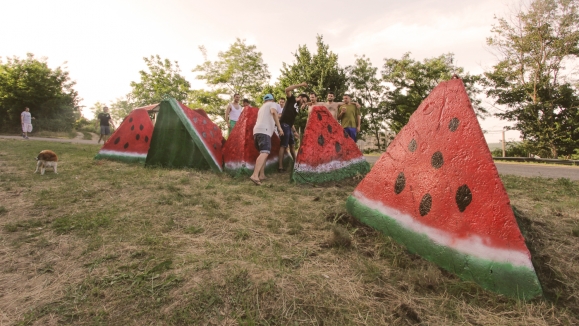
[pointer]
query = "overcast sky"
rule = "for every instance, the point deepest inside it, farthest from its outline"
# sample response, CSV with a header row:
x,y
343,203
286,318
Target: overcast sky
x,y
103,42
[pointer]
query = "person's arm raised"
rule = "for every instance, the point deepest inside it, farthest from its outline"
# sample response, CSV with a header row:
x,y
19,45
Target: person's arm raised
x,y
289,89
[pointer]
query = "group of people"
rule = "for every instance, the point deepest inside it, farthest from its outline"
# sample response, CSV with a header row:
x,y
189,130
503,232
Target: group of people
x,y
280,117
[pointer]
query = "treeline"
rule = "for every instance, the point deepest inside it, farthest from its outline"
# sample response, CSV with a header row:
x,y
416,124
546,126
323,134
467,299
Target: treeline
x,y
528,84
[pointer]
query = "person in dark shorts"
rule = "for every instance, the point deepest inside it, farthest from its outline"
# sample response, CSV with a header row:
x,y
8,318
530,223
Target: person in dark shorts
x,y
105,124
266,123
288,117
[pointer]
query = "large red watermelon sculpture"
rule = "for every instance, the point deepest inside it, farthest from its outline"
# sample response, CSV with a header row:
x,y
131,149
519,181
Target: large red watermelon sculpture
x,y
437,191
327,153
185,138
131,141
239,152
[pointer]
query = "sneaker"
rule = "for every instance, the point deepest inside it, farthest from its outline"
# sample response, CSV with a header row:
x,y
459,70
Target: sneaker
x,y
25,137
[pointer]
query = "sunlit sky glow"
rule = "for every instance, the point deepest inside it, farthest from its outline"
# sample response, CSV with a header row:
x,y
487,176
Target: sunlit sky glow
x,y
103,42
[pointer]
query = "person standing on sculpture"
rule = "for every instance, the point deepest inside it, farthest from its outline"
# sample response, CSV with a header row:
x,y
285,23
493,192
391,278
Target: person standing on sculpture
x,y
233,112
266,123
349,117
290,111
26,122
330,104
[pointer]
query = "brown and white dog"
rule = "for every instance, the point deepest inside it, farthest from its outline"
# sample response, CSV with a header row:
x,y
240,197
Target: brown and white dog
x,y
46,159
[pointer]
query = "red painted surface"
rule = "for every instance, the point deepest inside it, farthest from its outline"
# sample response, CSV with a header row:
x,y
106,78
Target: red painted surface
x,y
322,128
208,132
133,135
466,161
239,146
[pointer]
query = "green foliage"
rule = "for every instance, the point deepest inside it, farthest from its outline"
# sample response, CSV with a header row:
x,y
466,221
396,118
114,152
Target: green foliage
x,y
319,70
411,81
240,69
47,92
122,107
163,79
367,88
532,46
516,149
208,101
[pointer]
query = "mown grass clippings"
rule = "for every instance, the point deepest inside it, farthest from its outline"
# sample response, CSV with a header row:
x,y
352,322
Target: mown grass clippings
x,y
108,243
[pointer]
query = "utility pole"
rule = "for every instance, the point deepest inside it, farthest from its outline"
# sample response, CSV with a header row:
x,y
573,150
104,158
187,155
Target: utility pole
x,y
504,151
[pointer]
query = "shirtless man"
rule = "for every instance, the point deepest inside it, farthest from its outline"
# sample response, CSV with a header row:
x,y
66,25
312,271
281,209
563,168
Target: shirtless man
x,y
330,105
233,112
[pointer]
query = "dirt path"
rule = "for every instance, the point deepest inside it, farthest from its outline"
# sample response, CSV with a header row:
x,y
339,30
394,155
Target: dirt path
x,y
58,140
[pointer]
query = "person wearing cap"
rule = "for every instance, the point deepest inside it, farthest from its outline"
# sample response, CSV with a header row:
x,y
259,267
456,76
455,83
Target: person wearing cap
x,y
105,123
266,123
288,117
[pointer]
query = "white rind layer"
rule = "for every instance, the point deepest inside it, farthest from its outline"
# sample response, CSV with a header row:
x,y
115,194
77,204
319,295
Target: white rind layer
x,y
328,167
473,245
247,165
118,153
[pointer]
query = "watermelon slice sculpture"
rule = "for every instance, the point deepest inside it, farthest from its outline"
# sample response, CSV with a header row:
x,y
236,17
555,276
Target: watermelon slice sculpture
x,y
239,152
185,138
437,191
327,153
131,141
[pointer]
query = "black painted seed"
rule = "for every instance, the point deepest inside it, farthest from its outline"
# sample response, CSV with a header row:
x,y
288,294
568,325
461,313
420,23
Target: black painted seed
x,y
195,120
141,127
131,119
453,124
338,147
204,121
463,197
425,204
412,146
319,116
346,134
146,139
214,146
400,183
437,160
329,129
301,151
321,140
204,134
126,145
138,137
117,140
132,127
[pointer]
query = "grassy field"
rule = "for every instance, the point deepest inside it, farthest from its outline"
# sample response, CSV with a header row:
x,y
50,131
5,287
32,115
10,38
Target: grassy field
x,y
105,243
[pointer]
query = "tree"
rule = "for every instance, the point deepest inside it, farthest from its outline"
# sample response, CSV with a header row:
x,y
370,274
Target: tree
x,y
366,86
163,79
411,81
240,69
49,94
122,107
211,102
320,70
533,45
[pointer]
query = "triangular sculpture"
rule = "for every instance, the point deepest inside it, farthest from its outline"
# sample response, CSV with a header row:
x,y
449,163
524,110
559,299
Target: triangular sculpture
x,y
131,141
327,153
437,191
185,138
239,152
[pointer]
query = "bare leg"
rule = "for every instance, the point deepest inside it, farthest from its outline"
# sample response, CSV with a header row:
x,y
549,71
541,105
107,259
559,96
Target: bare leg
x,y
259,166
280,156
292,150
101,138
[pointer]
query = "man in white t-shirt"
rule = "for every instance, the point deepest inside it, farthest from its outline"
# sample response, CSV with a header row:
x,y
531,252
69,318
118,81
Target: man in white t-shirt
x,y
267,121
26,121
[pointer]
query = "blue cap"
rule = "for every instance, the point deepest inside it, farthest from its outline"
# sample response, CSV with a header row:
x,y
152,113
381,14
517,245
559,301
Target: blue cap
x,y
268,97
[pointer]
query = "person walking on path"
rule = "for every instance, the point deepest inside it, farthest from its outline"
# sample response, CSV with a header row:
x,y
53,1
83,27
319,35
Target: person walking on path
x,y
288,117
105,121
350,117
267,121
26,122
233,112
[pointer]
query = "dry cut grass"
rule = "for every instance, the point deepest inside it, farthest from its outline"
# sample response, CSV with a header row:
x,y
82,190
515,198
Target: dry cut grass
x,y
117,244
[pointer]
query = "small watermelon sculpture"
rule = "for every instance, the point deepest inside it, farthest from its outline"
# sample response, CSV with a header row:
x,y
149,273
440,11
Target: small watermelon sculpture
x,y
437,191
327,153
131,141
239,152
185,138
